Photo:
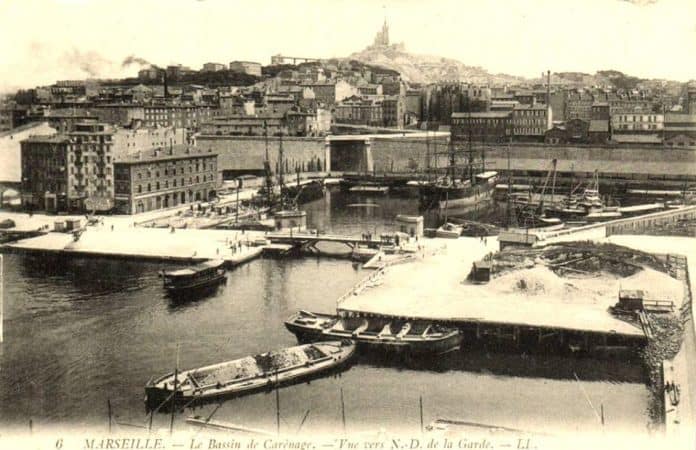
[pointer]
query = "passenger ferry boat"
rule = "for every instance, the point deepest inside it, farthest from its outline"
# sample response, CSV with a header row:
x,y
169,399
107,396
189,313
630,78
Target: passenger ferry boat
x,y
397,335
247,375
195,279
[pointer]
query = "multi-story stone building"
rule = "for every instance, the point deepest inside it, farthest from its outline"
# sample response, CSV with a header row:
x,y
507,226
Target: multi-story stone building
x,y
11,152
359,111
164,178
331,92
370,89
600,111
393,111
69,172
72,171
637,123
213,67
248,67
149,73
117,114
578,105
530,122
178,116
677,124
491,126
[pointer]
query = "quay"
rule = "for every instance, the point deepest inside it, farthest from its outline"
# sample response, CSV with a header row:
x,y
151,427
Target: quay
x,y
157,244
436,289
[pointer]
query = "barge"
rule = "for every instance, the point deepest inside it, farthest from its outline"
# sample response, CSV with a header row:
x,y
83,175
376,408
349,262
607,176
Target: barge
x,y
247,375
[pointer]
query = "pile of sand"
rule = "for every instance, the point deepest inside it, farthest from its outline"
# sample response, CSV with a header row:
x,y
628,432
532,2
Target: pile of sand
x,y
543,284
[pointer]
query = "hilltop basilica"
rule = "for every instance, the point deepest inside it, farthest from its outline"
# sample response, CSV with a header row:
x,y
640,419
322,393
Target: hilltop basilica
x,y
382,39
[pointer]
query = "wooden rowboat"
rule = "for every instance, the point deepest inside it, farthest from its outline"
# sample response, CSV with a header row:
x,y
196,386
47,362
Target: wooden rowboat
x,y
391,335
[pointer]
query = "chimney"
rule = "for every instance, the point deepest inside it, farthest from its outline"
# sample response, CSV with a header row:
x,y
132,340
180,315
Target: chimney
x,y
166,88
548,87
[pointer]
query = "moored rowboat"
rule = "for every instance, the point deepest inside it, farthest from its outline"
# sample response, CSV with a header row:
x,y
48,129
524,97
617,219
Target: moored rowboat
x,y
415,337
249,374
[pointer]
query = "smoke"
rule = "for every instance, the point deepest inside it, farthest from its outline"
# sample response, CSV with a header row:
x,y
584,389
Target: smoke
x,y
132,59
91,62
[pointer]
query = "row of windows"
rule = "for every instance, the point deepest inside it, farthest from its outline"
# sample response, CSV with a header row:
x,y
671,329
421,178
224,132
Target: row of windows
x,y
637,118
158,185
100,184
529,122
638,127
87,159
172,170
95,170
528,131
480,121
528,113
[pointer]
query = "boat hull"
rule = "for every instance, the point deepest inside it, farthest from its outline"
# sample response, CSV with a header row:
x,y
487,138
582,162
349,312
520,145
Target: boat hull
x,y
449,342
158,398
446,198
181,293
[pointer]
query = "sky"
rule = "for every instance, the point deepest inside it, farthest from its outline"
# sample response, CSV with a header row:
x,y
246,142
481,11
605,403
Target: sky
x,y
42,41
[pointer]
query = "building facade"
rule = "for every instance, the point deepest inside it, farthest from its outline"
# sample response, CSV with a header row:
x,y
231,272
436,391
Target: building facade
x,y
493,126
213,67
69,172
164,178
178,116
393,111
531,121
11,151
359,111
248,67
331,92
637,123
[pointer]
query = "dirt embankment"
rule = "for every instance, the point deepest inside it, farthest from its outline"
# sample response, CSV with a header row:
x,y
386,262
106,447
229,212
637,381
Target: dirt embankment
x,y
590,272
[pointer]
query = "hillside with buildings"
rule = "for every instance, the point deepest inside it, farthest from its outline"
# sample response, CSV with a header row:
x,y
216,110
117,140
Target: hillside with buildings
x,y
423,68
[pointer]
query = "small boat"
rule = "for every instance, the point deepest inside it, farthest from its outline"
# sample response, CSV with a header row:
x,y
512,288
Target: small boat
x,y
449,230
603,216
249,374
414,337
362,253
637,210
195,279
370,189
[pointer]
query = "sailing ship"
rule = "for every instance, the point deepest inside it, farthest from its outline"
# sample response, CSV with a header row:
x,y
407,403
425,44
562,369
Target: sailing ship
x,y
248,375
392,335
283,207
461,186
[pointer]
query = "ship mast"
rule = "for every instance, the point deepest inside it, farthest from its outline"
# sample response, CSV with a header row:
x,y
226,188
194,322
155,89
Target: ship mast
x,y
280,169
267,166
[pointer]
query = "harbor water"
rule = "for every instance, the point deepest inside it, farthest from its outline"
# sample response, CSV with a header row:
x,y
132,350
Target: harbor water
x,y
81,332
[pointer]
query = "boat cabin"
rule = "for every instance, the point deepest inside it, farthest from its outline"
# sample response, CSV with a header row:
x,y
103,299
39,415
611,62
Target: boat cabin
x,y
193,276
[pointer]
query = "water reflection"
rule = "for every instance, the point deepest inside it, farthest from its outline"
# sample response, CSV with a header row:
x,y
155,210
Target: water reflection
x,y
79,331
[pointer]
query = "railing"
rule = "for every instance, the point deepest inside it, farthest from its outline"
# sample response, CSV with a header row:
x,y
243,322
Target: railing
x,y
618,222
361,284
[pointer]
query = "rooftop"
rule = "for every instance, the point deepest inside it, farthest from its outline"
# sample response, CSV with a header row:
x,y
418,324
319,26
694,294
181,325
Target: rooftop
x,y
52,138
21,128
482,115
165,154
636,138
